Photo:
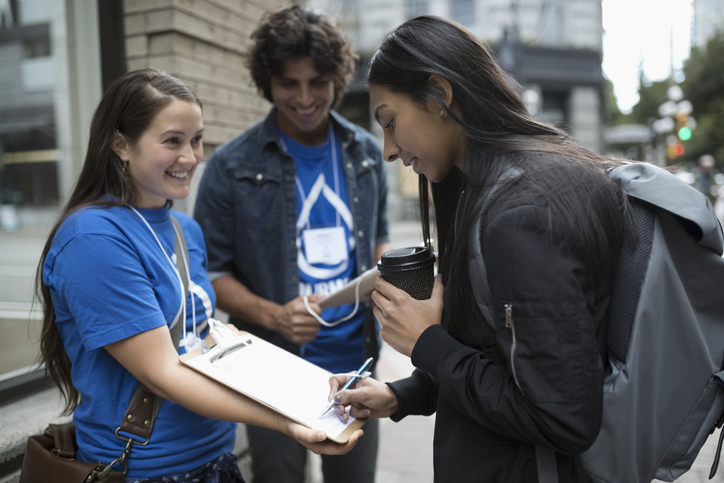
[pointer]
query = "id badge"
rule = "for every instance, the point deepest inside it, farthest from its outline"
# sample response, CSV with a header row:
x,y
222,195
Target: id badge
x,y
191,342
325,245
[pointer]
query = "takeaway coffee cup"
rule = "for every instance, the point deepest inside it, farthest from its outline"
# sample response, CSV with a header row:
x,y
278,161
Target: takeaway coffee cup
x,y
409,269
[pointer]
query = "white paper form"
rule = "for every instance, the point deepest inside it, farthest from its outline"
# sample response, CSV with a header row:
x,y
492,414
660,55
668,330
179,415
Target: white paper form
x,y
276,378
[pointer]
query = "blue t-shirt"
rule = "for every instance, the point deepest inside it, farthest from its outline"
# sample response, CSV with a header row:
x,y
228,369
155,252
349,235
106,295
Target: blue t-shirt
x,y
322,202
109,280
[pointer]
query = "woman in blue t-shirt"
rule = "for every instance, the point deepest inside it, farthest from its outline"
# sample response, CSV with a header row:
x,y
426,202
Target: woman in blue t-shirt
x,y
110,291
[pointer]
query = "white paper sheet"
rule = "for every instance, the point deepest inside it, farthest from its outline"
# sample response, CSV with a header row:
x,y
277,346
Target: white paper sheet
x,y
276,378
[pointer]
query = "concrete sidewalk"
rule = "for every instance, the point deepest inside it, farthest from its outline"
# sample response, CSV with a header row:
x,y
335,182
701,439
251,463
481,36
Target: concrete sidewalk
x,y
405,454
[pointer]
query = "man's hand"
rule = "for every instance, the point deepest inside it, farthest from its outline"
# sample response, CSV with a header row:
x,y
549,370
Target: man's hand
x,y
294,322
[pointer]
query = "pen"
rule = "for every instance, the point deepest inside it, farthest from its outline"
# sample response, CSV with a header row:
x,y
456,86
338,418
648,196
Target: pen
x,y
352,380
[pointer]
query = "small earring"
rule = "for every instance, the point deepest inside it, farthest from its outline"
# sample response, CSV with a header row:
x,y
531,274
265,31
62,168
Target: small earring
x,y
442,112
124,167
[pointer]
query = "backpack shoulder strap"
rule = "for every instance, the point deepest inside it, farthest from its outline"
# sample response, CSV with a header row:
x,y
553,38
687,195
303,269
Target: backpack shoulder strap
x,y
545,456
655,185
476,267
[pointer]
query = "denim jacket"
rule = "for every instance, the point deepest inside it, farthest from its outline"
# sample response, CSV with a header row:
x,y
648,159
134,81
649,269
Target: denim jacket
x,y
247,208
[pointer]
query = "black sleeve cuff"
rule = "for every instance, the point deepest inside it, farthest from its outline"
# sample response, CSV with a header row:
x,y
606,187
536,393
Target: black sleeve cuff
x,y
433,348
416,395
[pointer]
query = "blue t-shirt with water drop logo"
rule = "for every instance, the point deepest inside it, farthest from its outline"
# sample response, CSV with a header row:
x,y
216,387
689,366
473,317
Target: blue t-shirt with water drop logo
x,y
322,202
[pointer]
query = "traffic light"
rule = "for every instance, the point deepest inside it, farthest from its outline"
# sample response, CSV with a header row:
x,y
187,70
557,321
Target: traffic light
x,y
684,122
685,133
674,147
675,126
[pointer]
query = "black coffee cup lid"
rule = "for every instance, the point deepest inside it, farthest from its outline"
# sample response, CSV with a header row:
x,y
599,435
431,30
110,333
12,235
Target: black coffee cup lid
x,y
401,257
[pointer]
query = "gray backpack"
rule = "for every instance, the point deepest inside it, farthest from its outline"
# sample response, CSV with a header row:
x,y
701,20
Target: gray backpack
x,y
665,393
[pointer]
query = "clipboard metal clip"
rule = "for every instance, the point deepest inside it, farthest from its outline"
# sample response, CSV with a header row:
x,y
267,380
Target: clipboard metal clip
x,y
226,340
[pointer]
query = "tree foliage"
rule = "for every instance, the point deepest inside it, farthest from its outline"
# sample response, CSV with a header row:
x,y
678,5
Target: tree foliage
x,y
614,116
704,87
651,96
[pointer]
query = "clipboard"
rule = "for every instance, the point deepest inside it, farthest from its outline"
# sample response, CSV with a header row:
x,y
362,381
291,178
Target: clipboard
x,y
347,294
278,379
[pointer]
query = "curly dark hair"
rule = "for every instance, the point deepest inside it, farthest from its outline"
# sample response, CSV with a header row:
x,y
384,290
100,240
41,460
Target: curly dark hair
x,y
295,32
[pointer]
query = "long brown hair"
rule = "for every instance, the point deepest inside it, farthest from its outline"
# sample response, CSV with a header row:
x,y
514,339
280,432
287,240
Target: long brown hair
x,y
128,106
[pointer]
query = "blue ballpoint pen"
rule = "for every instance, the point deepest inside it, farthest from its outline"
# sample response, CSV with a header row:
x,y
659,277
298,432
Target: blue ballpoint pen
x,y
352,380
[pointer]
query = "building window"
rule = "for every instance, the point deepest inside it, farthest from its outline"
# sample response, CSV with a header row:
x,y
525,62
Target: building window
x,y
463,12
28,173
37,48
415,8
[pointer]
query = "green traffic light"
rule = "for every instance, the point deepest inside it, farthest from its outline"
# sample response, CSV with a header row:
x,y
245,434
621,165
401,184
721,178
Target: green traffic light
x,y
685,133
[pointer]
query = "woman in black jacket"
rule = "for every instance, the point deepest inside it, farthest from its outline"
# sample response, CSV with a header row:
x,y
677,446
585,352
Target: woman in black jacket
x,y
532,374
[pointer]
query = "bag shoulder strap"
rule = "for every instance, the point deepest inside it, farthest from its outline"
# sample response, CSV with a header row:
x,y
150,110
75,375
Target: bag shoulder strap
x,y
545,459
63,438
143,408
182,262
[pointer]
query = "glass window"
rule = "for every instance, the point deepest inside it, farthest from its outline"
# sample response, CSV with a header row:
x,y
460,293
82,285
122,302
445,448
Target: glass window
x,y
28,174
28,168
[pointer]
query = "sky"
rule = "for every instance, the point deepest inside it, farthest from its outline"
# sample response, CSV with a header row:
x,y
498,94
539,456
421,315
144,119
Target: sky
x,y
651,32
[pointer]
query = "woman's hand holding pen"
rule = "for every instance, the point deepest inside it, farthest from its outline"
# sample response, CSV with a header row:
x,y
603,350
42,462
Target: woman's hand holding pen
x,y
404,318
367,398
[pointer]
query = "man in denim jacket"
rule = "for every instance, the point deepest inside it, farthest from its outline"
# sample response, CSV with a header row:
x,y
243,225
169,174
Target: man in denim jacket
x,y
295,207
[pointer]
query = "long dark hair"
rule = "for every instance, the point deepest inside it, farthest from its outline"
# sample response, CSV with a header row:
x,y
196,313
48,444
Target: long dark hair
x,y
128,106
296,32
499,133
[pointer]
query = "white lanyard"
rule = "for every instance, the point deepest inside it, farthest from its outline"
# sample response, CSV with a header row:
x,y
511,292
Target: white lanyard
x,y
182,309
315,190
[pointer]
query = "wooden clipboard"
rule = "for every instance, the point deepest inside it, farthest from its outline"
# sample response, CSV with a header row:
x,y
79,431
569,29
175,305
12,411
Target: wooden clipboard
x,y
278,379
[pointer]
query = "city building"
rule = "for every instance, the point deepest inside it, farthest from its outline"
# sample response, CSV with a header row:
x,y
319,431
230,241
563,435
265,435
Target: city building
x,y
707,20
553,48
56,57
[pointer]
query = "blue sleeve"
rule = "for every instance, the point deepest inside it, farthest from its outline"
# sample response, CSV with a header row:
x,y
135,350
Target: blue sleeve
x,y
102,283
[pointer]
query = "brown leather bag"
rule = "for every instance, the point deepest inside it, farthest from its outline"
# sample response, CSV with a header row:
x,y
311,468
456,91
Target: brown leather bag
x,y
50,458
